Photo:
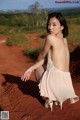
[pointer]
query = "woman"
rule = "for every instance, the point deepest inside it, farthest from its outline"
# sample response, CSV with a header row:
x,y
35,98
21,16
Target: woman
x,y
55,82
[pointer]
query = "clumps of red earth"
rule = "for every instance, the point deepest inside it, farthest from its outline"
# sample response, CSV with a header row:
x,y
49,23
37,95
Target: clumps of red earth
x,y
22,99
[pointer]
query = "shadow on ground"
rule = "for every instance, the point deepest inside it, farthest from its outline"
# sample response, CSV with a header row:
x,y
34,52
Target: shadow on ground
x,y
30,87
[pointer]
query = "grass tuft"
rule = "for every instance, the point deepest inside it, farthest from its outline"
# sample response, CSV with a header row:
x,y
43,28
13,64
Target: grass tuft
x,y
32,53
17,39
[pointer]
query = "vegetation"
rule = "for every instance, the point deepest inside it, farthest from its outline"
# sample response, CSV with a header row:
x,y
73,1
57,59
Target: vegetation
x,y
18,24
27,20
32,53
17,39
71,13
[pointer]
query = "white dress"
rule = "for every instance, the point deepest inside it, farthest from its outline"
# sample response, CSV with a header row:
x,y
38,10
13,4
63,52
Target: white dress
x,y
56,84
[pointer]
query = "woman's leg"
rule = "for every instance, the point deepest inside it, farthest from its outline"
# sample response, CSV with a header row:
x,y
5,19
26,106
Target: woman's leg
x,y
40,70
38,73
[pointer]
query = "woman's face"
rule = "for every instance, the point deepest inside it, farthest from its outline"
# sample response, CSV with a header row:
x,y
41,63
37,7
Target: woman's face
x,y
54,26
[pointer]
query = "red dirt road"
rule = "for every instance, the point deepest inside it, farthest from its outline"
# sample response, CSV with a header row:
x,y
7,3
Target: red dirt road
x,y
20,98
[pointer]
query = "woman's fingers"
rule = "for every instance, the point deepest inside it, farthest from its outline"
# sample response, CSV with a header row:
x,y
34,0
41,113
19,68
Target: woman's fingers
x,y
26,76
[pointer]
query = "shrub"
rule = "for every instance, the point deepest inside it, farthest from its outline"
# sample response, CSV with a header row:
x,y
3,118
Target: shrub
x,y
17,39
32,53
9,42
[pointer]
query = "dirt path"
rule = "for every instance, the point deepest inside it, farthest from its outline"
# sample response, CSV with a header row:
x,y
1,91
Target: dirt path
x,y
21,98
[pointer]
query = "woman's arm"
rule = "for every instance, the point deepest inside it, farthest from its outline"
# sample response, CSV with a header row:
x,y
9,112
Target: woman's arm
x,y
46,48
28,72
39,62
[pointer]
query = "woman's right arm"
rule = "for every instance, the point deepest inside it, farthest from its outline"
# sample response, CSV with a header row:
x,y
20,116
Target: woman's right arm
x,y
28,72
40,60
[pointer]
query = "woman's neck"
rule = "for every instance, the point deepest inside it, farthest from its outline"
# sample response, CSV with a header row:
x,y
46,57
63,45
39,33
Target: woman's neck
x,y
60,35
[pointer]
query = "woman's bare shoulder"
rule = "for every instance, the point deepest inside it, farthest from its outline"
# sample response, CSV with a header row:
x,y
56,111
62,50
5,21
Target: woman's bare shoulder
x,y
51,37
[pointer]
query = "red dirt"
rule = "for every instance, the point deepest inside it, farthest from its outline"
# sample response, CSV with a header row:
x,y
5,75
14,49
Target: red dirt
x,y
22,99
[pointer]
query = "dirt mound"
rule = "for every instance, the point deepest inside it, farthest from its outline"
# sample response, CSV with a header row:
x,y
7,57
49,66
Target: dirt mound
x,y
21,99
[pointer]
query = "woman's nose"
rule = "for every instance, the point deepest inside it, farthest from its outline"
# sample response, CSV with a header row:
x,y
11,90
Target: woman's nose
x,y
51,27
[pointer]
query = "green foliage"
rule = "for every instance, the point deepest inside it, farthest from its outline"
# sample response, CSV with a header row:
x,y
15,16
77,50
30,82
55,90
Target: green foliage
x,y
74,34
31,29
18,20
23,23
75,21
36,20
3,20
32,53
3,29
71,13
22,19
9,42
17,39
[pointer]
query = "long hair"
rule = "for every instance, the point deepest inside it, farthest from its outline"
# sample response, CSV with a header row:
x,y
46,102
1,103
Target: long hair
x,y
61,20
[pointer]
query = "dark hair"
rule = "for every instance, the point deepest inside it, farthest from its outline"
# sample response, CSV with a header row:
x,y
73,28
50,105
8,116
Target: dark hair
x,y
61,20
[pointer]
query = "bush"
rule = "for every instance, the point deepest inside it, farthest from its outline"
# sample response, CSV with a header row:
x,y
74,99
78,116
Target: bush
x,y
9,42
17,39
32,53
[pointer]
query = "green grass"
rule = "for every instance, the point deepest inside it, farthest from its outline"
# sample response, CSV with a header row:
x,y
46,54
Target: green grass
x,y
74,34
17,39
32,53
16,32
33,29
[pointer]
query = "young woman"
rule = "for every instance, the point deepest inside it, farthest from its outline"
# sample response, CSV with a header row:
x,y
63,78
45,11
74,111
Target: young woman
x,y
55,82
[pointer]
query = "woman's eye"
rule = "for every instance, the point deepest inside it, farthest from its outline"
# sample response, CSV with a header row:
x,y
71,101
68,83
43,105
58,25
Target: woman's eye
x,y
49,24
54,24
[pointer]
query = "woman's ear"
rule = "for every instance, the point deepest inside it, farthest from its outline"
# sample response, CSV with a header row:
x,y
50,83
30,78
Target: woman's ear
x,y
62,27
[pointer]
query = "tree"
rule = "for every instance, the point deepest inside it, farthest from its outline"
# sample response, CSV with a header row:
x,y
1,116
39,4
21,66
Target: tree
x,y
35,8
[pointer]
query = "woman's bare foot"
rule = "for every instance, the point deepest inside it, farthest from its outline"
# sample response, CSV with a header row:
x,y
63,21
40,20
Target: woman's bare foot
x,y
48,104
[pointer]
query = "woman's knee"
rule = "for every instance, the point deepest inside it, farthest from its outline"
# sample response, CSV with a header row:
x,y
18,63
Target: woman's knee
x,y
38,73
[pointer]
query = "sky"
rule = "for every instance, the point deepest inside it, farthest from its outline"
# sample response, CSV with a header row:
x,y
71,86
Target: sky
x,y
24,4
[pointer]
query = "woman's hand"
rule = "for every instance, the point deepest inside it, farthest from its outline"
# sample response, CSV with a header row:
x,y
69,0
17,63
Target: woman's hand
x,y
27,74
